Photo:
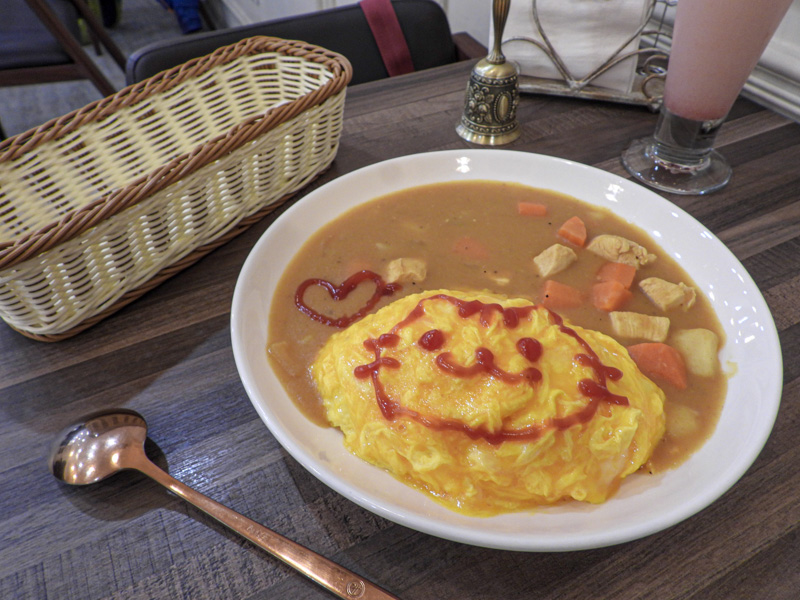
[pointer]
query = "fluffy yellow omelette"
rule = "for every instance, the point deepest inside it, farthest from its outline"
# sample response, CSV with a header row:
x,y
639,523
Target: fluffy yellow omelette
x,y
489,404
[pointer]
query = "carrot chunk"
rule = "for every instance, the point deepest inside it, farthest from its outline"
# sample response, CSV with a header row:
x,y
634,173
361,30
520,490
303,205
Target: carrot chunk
x,y
470,248
610,295
574,231
532,209
614,271
556,296
660,361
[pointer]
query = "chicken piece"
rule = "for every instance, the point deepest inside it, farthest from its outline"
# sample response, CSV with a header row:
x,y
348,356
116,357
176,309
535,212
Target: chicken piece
x,y
406,270
699,348
554,259
637,325
667,295
616,248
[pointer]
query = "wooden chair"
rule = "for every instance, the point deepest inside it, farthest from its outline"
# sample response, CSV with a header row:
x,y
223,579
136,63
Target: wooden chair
x,y
343,29
41,44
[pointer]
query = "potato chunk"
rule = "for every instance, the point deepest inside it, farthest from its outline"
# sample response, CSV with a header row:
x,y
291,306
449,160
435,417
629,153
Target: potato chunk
x,y
406,270
699,348
554,259
501,278
667,295
682,421
616,248
637,325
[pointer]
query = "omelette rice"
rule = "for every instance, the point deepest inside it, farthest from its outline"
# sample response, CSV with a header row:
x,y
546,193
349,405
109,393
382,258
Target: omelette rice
x,y
489,404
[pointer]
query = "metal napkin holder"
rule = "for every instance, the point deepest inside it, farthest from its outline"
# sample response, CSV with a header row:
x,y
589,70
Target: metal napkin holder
x,y
649,76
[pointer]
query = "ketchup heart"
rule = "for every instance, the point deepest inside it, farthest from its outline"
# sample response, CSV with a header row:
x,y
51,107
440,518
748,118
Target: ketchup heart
x,y
340,292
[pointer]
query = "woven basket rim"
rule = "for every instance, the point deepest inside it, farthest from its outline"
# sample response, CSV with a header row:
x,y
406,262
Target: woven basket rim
x,y
78,221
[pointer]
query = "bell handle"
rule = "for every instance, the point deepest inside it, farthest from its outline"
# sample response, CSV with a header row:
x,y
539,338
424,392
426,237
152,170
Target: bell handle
x,y
499,17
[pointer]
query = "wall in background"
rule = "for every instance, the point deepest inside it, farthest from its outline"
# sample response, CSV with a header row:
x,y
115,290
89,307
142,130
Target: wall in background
x,y
776,80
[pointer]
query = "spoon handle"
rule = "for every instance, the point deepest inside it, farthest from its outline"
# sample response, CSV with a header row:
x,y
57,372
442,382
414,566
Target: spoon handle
x,y
328,574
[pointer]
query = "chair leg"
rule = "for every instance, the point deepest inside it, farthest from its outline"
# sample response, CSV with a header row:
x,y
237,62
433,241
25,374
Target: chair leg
x,y
71,45
99,32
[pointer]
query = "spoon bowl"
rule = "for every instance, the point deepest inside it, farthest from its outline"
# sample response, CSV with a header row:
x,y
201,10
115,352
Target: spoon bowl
x,y
106,442
94,449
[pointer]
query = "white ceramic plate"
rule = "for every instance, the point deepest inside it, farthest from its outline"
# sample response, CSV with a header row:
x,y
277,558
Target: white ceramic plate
x,y
644,504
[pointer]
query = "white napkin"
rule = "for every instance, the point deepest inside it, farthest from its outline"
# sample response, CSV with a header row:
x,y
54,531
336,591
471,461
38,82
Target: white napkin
x,y
584,33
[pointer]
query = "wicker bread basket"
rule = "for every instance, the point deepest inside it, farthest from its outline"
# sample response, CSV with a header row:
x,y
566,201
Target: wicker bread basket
x,y
104,204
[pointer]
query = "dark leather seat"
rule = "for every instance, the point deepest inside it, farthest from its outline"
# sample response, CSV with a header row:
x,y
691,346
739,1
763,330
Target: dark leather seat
x,y
27,42
343,29
40,43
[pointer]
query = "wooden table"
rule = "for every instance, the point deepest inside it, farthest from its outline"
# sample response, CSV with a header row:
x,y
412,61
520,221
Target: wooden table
x,y
169,356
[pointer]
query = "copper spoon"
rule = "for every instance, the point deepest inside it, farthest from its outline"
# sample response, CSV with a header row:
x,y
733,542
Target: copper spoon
x,y
107,442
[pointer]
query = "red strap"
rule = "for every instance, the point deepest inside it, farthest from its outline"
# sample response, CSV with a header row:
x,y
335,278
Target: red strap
x,y
386,30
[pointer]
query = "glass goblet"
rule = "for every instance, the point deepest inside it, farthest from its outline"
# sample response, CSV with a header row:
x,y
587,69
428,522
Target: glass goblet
x,y
716,45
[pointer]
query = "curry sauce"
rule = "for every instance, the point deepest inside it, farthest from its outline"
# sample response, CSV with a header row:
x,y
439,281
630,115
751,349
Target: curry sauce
x,y
472,236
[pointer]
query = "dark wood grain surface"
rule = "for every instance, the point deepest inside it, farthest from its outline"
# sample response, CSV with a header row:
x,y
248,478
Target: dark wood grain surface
x,y
169,356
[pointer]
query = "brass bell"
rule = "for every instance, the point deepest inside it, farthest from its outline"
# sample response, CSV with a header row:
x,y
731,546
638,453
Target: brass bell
x,y
490,109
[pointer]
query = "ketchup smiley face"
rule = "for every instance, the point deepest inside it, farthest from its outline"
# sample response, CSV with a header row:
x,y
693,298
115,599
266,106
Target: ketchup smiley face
x,y
433,341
